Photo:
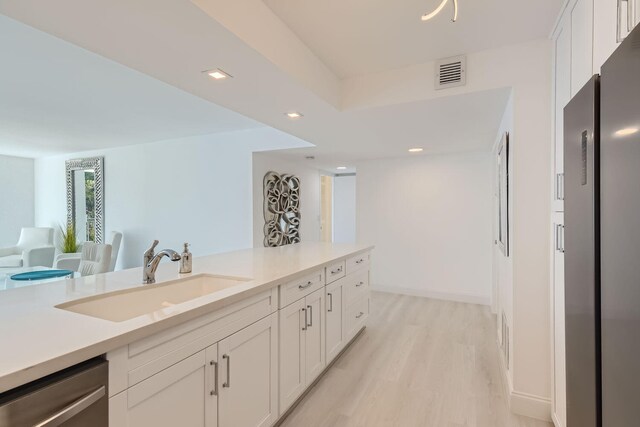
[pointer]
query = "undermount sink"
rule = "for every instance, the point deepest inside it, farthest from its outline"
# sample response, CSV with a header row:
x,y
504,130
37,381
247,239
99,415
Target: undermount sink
x,y
124,305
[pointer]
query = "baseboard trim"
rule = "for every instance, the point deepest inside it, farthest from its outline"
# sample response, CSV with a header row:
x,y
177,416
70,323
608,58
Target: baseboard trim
x,y
520,403
447,296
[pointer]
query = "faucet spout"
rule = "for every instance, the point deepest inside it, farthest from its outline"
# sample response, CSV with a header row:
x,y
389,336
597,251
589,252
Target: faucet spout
x,y
151,262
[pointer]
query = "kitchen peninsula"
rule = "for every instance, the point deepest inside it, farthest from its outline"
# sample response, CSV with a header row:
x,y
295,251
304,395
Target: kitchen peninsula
x,y
239,339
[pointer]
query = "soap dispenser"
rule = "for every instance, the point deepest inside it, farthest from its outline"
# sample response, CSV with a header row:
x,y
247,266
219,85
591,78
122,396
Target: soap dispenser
x,y
185,261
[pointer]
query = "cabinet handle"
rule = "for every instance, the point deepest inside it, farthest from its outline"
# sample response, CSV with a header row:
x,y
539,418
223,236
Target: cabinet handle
x,y
359,315
337,270
228,383
330,302
560,186
310,316
560,238
73,409
360,261
630,15
214,392
305,286
619,37
359,284
304,328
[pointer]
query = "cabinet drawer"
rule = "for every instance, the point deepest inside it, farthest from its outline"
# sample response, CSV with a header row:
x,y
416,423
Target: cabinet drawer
x,y
358,262
356,317
299,288
356,285
335,271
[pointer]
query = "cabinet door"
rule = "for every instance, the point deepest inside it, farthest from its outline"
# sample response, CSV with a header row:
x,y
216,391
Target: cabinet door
x,y
581,44
335,315
176,396
292,353
315,360
562,95
559,370
248,376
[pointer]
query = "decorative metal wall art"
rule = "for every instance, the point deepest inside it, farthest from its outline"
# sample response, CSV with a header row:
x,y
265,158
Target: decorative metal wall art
x,y
281,209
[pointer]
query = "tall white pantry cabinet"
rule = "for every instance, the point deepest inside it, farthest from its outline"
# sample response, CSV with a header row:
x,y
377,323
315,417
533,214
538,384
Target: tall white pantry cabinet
x,y
586,34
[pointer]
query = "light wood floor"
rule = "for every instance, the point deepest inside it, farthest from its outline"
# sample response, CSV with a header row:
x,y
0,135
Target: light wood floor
x,y
420,362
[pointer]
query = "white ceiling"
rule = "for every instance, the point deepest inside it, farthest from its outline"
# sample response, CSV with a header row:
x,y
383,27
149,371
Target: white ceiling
x,y
179,40
363,36
57,97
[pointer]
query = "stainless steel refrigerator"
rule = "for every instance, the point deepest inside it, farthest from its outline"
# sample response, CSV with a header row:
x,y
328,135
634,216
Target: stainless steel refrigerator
x,y
602,244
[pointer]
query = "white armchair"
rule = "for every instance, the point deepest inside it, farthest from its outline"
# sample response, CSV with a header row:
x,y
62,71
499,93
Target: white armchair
x,y
95,259
72,261
34,248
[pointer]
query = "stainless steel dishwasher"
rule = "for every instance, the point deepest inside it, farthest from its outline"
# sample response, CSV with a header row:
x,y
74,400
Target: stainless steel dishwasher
x,y
74,397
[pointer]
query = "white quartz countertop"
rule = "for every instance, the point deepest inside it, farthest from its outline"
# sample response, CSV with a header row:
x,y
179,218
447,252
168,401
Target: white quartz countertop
x,y
37,339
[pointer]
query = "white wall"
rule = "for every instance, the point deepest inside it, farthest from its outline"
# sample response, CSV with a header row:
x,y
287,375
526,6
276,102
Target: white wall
x,y
195,190
309,194
344,209
430,219
16,198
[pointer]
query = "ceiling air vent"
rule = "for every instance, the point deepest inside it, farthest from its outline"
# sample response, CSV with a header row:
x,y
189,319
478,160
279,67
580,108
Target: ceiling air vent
x,y
451,72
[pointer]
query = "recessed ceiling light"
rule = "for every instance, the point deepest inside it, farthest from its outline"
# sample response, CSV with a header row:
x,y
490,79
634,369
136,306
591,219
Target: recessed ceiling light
x,y
415,150
294,115
626,131
218,74
341,168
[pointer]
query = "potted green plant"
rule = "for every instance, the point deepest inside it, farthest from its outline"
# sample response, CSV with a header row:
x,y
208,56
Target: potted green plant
x,y
69,241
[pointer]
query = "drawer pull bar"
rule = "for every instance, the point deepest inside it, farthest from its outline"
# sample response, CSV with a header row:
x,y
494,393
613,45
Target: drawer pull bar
x,y
360,315
305,286
360,261
228,383
330,302
310,316
73,409
214,392
359,284
337,270
304,328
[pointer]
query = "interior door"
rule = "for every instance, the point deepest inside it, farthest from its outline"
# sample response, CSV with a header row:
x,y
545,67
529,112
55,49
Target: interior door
x,y
292,353
334,318
247,380
314,336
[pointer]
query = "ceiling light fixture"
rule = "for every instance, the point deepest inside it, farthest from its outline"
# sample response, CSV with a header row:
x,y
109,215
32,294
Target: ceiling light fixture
x,y
341,168
415,150
438,9
217,74
294,115
626,131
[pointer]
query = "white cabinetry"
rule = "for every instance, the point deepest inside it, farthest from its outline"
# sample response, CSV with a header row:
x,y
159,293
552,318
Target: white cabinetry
x,y
335,317
248,376
302,342
152,402
562,95
557,280
612,22
219,369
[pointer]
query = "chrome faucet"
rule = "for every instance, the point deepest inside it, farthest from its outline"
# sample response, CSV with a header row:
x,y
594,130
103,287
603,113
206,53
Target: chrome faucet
x,y
152,260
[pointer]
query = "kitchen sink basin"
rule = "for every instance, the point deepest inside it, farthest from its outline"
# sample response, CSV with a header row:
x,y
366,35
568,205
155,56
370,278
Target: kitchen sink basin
x,y
124,305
